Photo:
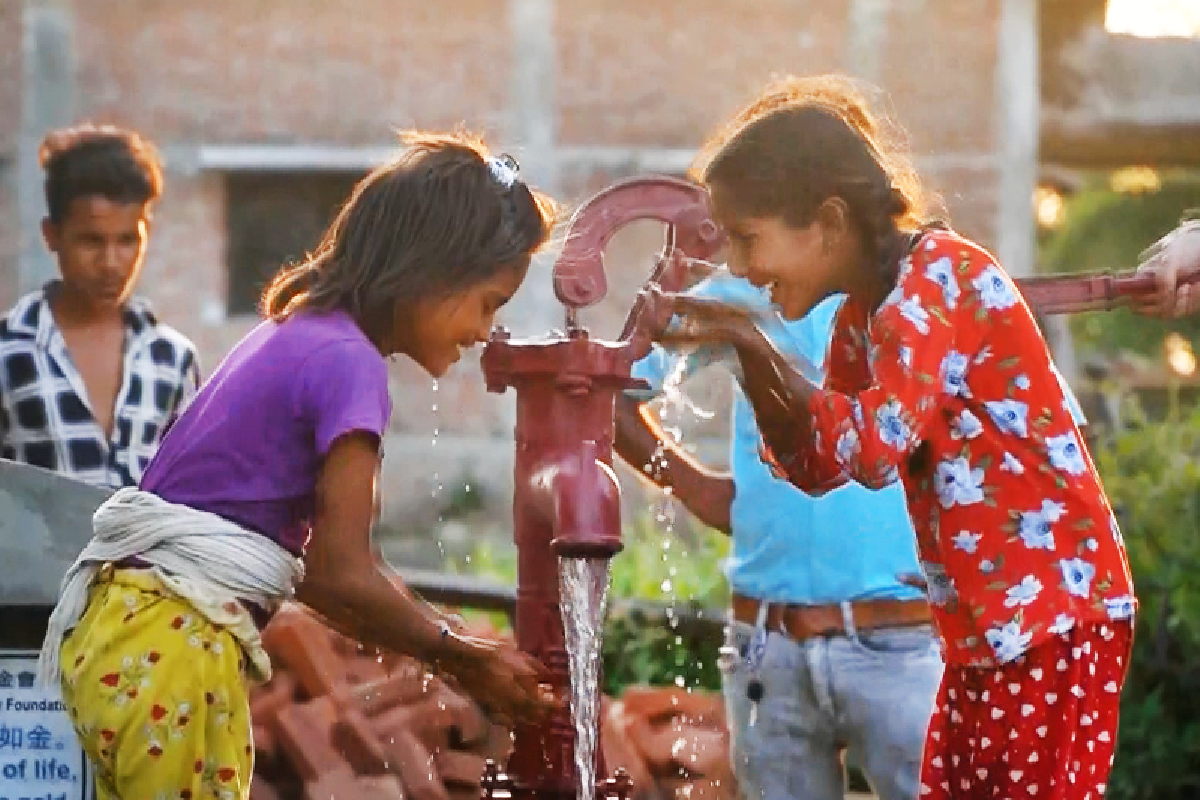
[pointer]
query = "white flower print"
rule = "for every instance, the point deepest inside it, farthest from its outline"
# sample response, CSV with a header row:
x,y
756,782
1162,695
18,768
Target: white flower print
x,y
1035,527
1023,593
939,585
941,272
954,374
1077,576
993,289
1062,624
958,483
966,425
1021,381
1053,511
1011,464
1010,416
1091,544
1008,641
893,430
912,311
847,447
906,356
966,541
1065,453
859,420
1119,607
987,567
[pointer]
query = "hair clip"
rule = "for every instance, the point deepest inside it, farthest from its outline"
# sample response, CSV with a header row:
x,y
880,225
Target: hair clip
x,y
505,170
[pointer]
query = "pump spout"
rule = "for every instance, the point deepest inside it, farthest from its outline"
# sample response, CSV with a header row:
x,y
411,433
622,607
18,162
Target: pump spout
x,y
579,497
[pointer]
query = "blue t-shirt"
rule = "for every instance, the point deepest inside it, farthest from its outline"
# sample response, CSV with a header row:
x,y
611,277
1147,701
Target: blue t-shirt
x,y
789,547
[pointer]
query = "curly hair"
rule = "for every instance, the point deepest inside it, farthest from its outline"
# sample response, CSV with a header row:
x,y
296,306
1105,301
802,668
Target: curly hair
x,y
98,160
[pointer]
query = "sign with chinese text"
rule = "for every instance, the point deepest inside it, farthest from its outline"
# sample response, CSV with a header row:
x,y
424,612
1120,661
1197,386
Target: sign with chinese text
x,y
40,756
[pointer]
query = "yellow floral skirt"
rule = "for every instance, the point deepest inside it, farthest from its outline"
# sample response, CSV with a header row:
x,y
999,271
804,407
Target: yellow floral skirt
x,y
157,694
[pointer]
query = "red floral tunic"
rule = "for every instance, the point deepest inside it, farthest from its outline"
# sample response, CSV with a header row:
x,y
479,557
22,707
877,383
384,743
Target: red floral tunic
x,y
949,388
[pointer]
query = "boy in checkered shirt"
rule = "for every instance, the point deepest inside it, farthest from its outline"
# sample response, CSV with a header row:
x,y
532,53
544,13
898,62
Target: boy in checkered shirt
x,y
89,378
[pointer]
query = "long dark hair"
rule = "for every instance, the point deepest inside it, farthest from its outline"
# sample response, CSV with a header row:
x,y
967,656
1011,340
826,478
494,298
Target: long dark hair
x,y
804,140
439,218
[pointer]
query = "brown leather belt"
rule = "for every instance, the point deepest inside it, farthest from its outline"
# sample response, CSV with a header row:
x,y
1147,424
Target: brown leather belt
x,y
802,622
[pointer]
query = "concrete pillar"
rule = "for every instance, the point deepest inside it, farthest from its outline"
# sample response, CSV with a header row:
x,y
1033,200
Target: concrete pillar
x,y
49,99
866,38
1018,113
533,132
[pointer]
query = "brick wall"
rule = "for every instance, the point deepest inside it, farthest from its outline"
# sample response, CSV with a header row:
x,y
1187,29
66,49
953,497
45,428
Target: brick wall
x,y
344,72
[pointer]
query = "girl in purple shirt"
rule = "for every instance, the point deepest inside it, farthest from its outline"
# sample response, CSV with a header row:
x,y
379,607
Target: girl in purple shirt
x,y
263,489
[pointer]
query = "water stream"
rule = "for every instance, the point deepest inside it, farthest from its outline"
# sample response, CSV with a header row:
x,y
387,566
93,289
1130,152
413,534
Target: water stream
x,y
583,598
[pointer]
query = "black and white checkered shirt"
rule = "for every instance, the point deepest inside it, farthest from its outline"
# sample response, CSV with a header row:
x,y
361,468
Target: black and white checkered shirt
x,y
45,419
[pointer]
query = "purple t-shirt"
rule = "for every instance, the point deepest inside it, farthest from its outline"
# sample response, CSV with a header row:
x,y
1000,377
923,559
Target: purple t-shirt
x,y
250,444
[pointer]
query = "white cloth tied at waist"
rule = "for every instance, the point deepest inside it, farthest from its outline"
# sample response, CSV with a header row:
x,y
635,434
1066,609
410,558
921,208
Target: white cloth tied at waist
x,y
205,559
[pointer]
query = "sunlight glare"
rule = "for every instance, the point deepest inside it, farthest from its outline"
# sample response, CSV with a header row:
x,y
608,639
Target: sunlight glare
x,y
1154,18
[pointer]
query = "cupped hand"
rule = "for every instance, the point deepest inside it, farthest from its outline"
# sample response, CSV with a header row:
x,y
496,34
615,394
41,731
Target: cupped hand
x,y
509,684
698,321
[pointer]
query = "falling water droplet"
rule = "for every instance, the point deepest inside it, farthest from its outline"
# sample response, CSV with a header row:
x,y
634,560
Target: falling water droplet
x,y
666,585
679,681
678,640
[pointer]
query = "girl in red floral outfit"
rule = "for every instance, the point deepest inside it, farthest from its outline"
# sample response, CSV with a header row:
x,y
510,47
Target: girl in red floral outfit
x,y
937,377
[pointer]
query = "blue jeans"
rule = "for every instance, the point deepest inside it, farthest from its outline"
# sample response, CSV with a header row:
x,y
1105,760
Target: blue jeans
x,y
869,692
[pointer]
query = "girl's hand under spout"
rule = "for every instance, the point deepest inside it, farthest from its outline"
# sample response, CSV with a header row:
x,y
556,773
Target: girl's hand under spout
x,y
505,681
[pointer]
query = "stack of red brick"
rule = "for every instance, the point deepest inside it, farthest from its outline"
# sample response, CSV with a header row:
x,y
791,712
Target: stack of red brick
x,y
336,724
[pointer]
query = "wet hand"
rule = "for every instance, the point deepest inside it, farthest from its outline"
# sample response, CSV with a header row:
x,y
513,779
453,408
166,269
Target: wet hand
x,y
697,321
510,685
1174,261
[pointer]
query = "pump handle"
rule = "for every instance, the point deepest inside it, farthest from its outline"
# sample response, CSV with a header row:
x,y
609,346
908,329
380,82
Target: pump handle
x,y
579,277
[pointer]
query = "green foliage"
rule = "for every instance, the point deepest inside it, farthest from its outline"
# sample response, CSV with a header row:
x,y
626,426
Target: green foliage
x,y
661,567
1106,230
1152,474
659,581
683,573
